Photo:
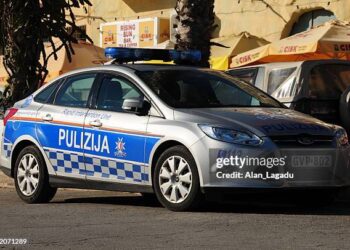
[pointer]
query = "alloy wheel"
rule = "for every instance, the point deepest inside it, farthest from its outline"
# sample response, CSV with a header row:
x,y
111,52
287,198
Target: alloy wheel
x,y
175,179
28,175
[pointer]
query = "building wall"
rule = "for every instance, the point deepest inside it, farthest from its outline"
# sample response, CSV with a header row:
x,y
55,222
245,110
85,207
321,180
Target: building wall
x,y
269,19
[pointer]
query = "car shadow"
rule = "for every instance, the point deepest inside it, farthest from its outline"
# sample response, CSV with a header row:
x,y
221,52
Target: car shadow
x,y
131,200
245,206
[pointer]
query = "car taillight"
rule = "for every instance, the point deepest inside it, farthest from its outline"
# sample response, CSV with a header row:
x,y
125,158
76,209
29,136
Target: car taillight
x,y
8,114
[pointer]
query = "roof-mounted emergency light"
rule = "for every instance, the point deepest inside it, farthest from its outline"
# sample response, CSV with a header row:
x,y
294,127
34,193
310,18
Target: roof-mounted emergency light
x,y
125,55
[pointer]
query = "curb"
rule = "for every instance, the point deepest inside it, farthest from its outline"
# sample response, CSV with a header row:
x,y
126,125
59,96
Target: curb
x,y
5,182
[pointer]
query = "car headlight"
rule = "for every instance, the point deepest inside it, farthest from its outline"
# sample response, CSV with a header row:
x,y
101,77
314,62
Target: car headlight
x,y
230,135
341,137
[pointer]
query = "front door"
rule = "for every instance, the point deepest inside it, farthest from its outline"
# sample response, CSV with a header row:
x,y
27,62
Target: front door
x,y
115,151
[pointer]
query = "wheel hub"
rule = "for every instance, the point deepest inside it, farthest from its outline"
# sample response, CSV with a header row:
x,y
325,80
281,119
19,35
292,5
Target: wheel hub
x,y
175,179
27,173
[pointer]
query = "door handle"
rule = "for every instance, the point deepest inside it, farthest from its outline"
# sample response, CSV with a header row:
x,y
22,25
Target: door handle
x,y
47,118
95,123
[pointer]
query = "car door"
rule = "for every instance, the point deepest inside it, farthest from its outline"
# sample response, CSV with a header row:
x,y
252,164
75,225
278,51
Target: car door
x,y
60,131
115,152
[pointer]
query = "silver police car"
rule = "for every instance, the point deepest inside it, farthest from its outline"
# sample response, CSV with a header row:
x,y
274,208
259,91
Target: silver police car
x,y
179,132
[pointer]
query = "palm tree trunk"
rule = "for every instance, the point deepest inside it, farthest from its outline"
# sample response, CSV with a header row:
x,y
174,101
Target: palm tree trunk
x,y
195,26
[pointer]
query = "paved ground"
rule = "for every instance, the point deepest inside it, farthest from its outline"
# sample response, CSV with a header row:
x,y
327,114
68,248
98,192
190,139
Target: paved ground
x,y
5,181
87,220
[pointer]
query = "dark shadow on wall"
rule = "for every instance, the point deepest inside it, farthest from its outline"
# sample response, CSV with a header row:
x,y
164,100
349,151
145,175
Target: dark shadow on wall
x,y
150,5
217,22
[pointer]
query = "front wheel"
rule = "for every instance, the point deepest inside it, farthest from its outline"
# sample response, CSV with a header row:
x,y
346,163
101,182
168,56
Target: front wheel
x,y
176,180
31,177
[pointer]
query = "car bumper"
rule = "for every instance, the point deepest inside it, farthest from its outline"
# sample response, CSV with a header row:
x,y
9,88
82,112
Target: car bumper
x,y
334,175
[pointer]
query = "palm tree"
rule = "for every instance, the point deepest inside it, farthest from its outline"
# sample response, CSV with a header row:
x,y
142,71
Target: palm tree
x,y
195,26
26,26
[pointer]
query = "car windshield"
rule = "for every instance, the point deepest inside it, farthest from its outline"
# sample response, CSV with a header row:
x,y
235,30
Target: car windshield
x,y
204,89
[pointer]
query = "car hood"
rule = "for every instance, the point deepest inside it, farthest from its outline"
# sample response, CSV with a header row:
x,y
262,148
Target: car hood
x,y
261,121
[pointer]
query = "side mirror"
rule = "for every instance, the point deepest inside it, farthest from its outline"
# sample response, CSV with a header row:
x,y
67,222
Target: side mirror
x,y
138,106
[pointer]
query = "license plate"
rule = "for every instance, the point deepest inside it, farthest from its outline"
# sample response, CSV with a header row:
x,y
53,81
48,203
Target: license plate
x,y
311,161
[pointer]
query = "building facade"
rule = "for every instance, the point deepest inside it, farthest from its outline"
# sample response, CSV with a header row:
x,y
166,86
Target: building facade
x,y
268,19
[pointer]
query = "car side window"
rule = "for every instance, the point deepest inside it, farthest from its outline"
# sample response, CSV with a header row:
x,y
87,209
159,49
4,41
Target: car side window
x,y
45,94
113,91
75,91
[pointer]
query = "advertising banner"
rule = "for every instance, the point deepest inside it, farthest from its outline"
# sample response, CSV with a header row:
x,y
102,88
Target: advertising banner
x,y
128,34
140,33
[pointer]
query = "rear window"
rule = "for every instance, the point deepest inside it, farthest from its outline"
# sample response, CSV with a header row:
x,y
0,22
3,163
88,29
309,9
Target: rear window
x,y
75,92
329,81
45,94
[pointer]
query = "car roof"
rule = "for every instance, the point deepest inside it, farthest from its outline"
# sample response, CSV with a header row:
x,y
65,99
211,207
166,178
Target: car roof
x,y
152,67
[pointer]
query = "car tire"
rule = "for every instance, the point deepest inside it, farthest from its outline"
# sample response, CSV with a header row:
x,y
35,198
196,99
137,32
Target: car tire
x,y
31,177
176,180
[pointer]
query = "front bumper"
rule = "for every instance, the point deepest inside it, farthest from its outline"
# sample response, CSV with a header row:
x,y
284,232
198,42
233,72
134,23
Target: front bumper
x,y
333,175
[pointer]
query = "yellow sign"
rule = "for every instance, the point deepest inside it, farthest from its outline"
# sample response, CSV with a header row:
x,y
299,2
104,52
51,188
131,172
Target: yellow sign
x,y
146,31
109,35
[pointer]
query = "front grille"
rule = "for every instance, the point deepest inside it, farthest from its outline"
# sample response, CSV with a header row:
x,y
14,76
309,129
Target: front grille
x,y
298,140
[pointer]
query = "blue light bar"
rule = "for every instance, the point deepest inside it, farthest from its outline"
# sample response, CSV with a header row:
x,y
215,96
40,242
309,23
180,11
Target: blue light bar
x,y
125,55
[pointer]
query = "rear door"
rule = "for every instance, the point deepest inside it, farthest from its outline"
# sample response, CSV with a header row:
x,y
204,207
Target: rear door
x,y
60,131
116,150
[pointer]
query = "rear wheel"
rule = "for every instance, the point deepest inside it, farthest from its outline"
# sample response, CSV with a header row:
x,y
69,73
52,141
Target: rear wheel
x,y
176,180
31,177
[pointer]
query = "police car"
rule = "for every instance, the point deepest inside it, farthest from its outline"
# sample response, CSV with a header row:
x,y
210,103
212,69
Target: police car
x,y
179,132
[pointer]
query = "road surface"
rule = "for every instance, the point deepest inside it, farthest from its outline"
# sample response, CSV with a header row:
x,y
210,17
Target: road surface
x,y
107,220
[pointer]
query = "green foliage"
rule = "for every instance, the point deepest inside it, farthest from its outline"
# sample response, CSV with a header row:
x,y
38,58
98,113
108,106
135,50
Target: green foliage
x,y
196,25
25,26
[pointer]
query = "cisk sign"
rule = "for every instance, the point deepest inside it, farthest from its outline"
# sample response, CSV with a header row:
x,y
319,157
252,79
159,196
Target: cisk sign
x,y
140,33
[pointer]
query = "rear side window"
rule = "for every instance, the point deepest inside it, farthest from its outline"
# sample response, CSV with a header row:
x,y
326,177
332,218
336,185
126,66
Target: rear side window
x,y
277,77
75,92
45,94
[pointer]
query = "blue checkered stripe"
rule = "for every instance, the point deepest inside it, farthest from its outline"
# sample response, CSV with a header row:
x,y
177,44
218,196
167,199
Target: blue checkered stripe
x,y
64,162
7,147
